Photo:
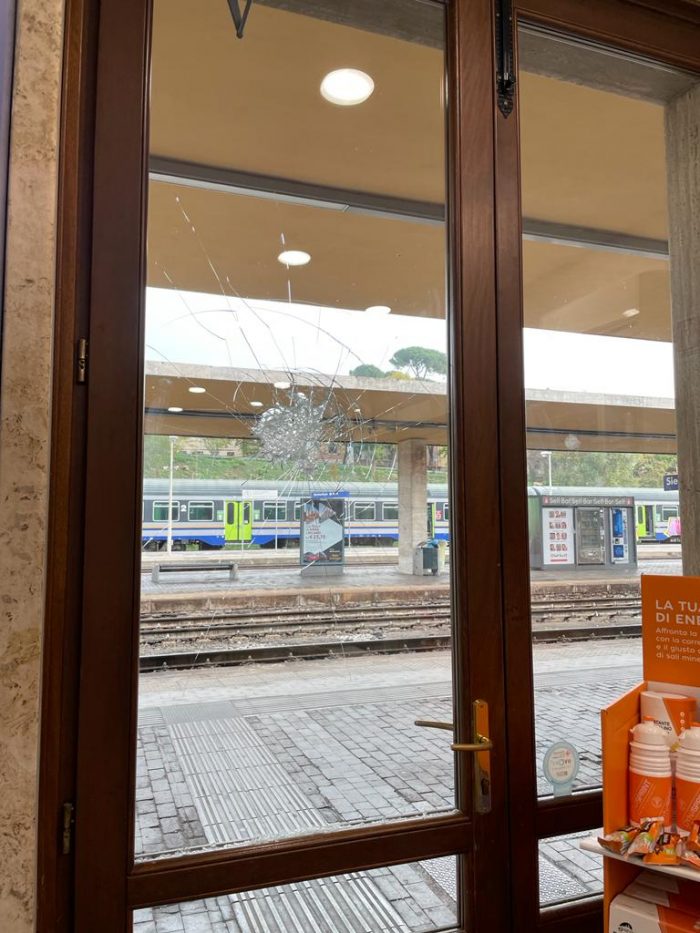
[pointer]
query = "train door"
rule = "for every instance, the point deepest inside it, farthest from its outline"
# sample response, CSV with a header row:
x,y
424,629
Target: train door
x,y
238,525
645,521
431,520
590,536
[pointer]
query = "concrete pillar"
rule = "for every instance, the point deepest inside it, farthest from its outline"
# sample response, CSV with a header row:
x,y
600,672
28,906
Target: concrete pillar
x,y
413,500
683,172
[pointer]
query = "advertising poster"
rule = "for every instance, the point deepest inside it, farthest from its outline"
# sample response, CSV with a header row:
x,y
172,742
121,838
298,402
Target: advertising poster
x,y
558,536
322,531
671,629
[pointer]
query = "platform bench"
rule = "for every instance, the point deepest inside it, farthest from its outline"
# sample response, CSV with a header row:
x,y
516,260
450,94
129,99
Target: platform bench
x,y
194,567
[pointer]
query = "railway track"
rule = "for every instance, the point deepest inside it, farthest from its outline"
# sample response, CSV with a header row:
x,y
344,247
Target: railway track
x,y
189,641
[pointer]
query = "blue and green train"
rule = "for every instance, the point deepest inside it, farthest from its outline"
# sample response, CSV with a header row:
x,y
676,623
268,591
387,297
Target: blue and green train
x,y
213,513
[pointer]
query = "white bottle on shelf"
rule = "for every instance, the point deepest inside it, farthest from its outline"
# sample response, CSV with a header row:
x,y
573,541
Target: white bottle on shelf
x,y
650,778
688,779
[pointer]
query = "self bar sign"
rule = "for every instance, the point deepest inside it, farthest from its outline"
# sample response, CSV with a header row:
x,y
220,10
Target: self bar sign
x,y
671,628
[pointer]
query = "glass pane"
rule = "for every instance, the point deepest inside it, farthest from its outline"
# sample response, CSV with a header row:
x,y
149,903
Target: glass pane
x,y
599,374
567,873
415,898
296,359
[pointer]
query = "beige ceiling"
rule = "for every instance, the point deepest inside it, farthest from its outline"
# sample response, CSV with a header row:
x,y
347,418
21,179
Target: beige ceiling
x,y
589,158
389,411
592,158
357,260
589,291
254,103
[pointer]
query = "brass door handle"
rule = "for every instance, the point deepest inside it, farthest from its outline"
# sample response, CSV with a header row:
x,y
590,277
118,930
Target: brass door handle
x,y
482,744
481,749
429,724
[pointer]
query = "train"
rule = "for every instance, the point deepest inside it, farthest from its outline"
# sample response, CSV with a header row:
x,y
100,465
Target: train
x,y
211,514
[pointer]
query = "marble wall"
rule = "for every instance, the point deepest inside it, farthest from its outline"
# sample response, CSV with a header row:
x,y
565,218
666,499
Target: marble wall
x,y
25,392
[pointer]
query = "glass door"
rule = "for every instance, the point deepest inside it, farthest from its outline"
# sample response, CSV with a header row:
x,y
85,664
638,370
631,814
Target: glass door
x,y
590,536
606,277
297,734
306,302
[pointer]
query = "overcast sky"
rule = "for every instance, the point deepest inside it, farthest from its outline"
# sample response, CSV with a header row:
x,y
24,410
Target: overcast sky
x,y
189,327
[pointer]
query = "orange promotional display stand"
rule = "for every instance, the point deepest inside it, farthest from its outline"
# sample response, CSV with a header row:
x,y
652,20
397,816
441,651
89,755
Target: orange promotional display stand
x,y
671,664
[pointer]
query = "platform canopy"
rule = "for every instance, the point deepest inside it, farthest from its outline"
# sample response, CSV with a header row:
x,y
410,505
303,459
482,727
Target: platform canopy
x,y
366,197
390,410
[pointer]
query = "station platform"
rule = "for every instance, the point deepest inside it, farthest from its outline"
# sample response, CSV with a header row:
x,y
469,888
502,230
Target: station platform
x,y
231,755
293,588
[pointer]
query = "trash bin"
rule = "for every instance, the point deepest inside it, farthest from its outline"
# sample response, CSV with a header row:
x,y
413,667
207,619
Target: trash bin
x,y
429,557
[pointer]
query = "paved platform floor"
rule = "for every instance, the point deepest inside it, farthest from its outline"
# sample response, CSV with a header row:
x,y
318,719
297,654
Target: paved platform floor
x,y
231,755
255,581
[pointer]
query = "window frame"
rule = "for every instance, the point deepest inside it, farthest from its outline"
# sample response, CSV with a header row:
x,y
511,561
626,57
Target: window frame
x,y
174,510
199,503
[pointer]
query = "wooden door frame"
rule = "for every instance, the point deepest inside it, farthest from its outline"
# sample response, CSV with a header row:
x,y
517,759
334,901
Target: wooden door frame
x,y
660,30
107,886
668,32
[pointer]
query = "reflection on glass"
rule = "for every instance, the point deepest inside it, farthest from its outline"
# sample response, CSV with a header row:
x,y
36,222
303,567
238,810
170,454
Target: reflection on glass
x,y
599,374
295,458
415,898
566,872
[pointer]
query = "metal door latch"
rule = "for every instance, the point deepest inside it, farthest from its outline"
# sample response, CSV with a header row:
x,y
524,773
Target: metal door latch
x,y
481,748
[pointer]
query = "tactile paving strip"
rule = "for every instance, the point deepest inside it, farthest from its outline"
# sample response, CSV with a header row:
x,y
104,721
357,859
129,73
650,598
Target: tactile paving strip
x,y
240,791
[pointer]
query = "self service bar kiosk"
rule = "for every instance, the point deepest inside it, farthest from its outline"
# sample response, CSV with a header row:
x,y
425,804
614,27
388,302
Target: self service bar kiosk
x,y
572,527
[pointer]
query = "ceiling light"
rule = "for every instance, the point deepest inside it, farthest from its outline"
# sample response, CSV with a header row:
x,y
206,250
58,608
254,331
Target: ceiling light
x,y
378,309
175,409
196,390
630,312
294,257
256,404
281,385
347,87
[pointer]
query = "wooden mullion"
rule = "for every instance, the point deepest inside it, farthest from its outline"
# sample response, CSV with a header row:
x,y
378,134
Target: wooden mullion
x,y
560,816
584,916
259,866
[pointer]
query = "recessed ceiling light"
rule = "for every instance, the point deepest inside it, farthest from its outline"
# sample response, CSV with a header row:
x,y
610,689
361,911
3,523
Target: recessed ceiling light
x,y
347,87
630,312
378,309
294,257
256,404
196,390
175,409
281,385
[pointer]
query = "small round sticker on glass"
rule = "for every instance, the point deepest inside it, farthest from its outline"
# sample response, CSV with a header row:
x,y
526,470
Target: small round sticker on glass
x,y
560,766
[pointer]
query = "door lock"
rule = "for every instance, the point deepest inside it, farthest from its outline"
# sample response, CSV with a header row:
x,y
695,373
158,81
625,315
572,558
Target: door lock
x,y
481,748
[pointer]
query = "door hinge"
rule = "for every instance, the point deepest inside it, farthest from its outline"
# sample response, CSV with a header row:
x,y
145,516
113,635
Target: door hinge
x,y
67,824
505,57
81,361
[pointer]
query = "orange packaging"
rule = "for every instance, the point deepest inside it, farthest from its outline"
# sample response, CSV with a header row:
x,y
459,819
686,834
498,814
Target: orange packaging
x,y
672,712
687,804
650,798
693,840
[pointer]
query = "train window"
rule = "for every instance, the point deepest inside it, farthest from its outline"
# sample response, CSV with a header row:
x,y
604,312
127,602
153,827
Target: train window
x,y
390,511
364,511
160,511
297,510
274,511
200,511
669,512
